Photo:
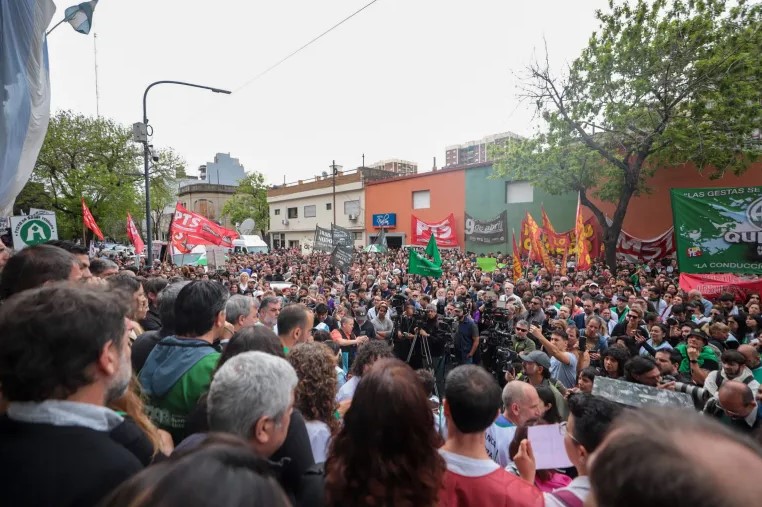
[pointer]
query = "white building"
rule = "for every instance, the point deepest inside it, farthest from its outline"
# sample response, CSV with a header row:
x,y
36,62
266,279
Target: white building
x,y
297,208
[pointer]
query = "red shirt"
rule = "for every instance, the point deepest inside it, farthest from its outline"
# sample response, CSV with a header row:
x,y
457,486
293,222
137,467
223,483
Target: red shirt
x,y
482,483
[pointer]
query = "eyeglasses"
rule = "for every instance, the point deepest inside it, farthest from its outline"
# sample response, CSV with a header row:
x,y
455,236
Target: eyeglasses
x,y
565,432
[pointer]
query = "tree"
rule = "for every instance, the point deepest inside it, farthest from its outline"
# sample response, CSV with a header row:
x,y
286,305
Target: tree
x,y
250,201
92,158
660,84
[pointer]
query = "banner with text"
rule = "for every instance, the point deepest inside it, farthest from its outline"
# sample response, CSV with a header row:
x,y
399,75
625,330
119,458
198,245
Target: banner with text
x,y
487,232
323,240
341,257
342,236
190,229
635,249
444,232
718,230
713,286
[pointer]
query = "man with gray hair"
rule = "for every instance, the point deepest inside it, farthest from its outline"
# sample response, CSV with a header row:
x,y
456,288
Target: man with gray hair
x,y
240,312
252,397
103,268
269,309
521,340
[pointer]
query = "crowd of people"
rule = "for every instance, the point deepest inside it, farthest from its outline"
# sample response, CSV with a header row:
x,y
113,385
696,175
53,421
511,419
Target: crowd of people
x,y
278,380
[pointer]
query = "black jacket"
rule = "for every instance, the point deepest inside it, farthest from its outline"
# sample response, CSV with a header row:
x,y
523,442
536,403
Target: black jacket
x,y
152,322
66,466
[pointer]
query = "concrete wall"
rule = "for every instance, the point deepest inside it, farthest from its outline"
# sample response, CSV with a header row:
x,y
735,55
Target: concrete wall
x,y
650,215
485,198
396,196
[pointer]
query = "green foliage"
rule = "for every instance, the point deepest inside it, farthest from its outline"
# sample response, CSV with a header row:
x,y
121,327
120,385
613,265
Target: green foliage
x,y
250,201
93,158
659,84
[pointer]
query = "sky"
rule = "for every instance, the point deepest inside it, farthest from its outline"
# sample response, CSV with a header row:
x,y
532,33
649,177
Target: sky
x,y
402,79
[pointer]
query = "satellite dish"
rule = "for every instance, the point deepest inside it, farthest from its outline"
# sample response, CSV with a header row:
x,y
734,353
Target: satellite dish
x,y
247,227
324,174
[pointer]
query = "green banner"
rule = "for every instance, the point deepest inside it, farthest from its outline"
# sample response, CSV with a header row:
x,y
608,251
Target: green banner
x,y
718,230
488,264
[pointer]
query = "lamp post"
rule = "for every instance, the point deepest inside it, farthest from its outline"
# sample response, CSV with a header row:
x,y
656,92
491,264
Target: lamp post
x,y
335,169
149,233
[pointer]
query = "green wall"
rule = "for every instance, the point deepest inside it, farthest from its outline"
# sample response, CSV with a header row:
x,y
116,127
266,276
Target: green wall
x,y
485,198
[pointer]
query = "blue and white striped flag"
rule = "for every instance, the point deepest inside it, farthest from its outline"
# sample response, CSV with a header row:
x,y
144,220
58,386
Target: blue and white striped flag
x,y
80,17
24,92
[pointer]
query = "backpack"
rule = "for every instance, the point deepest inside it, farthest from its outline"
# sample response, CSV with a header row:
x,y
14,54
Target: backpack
x,y
720,379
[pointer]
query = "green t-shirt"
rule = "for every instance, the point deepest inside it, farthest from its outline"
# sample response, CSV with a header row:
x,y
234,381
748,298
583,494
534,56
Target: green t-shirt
x,y
171,412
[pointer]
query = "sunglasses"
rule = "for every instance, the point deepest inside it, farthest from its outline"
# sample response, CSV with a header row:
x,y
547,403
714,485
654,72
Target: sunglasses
x,y
520,330
633,316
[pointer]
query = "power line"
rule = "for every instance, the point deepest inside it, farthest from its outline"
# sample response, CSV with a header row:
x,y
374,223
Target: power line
x,y
315,39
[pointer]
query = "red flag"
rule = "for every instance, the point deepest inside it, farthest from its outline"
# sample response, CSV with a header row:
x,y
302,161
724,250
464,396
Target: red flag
x,y
134,235
516,260
89,221
546,224
189,229
583,250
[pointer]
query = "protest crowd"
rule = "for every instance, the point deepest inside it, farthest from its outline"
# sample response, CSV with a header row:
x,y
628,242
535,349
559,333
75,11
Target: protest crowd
x,y
278,379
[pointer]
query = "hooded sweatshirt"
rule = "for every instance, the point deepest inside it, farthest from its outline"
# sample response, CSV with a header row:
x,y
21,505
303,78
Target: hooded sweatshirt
x,y
177,372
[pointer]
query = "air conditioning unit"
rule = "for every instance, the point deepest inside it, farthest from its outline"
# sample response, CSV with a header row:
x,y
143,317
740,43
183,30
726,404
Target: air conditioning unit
x,y
284,221
353,217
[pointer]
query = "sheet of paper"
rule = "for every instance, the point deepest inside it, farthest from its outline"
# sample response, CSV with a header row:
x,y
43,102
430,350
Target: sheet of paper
x,y
548,446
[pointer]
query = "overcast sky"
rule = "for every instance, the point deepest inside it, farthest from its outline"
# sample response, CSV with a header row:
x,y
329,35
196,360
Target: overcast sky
x,y
402,79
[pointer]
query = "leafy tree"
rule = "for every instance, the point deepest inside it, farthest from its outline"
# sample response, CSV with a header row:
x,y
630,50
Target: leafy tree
x,y
660,84
250,201
93,158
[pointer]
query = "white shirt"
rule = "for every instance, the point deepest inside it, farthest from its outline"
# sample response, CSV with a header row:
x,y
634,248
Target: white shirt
x,y
468,467
320,438
347,391
498,438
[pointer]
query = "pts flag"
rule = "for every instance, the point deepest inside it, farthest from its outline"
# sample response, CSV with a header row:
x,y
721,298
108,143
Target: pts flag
x,y
190,229
718,230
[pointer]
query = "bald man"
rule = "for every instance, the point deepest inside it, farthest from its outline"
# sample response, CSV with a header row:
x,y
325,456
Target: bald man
x,y
521,407
736,407
752,361
701,463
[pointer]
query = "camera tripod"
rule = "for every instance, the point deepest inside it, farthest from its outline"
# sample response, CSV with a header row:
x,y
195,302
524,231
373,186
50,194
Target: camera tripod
x,y
427,361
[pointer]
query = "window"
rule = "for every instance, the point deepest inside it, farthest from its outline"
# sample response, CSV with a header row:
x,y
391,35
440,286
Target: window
x,y
356,236
293,244
293,212
518,191
421,199
279,241
277,211
328,206
352,208
310,211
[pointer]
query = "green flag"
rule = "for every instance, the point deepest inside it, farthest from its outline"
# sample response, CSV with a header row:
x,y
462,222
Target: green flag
x,y
488,264
419,265
433,251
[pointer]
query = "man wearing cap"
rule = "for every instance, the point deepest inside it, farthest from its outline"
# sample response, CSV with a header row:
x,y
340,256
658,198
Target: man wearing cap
x,y
698,357
536,366
363,326
467,336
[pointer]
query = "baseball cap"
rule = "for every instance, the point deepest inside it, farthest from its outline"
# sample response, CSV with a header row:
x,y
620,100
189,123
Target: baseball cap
x,y
536,356
321,327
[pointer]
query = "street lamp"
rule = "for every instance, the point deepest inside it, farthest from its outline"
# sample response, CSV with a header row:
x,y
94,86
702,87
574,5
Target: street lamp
x,y
335,168
144,137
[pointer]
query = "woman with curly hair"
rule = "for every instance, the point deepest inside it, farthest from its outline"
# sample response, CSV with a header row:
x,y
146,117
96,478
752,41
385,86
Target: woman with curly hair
x,y
315,394
386,452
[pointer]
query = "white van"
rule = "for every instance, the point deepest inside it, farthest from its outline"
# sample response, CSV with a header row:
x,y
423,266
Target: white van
x,y
249,244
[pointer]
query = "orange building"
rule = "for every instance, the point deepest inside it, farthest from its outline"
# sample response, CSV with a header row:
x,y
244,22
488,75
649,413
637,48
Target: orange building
x,y
649,215
430,196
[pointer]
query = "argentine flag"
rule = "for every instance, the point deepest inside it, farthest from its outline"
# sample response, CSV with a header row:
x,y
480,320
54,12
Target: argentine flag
x,y
80,17
24,92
